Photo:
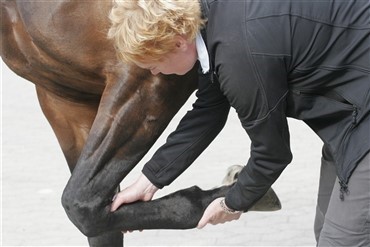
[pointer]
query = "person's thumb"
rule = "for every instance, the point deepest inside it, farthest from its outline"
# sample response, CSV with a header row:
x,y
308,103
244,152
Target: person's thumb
x,y
203,221
117,202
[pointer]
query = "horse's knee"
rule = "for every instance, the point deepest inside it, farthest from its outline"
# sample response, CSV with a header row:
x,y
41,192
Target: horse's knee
x,y
86,214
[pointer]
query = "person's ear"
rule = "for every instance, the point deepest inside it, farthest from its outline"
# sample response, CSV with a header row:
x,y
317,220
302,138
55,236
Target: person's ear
x,y
181,43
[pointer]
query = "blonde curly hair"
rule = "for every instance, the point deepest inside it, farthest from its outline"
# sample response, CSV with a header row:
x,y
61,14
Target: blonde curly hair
x,y
144,30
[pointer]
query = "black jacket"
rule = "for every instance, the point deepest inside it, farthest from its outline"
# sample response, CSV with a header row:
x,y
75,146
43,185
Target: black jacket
x,y
270,60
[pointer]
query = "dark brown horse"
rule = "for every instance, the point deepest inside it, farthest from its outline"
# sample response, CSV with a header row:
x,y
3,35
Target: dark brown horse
x,y
105,114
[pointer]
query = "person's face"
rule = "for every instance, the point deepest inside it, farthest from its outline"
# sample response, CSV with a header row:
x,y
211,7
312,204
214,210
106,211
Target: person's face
x,y
179,62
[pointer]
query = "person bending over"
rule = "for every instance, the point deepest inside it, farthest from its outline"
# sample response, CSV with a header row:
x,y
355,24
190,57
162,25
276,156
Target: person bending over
x,y
268,60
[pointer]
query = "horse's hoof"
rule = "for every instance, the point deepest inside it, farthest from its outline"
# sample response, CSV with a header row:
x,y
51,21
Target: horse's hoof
x,y
232,174
269,202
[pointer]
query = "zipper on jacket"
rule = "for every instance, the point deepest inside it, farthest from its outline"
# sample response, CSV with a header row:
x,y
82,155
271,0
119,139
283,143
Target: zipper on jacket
x,y
335,96
214,76
330,95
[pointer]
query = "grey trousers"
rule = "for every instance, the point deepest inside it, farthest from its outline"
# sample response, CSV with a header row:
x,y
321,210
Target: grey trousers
x,y
347,222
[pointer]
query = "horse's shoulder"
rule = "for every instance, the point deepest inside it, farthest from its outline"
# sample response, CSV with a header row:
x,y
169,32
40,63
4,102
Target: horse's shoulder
x,y
60,45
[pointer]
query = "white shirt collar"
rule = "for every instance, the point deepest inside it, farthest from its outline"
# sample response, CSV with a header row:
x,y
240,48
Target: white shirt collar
x,y
202,53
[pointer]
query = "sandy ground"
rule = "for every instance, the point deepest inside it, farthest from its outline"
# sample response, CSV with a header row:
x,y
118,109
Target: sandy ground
x,y
33,175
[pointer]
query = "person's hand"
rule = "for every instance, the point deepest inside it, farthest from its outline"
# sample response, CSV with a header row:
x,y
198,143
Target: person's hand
x,y
141,190
215,214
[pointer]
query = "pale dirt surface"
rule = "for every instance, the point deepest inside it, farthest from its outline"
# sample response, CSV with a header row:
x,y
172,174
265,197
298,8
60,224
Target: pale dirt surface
x,y
33,175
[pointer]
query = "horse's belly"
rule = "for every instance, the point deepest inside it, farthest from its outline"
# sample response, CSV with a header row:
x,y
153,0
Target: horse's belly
x,y
60,62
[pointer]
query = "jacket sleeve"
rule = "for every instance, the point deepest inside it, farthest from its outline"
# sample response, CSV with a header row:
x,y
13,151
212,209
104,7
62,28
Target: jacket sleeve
x,y
256,86
270,154
195,132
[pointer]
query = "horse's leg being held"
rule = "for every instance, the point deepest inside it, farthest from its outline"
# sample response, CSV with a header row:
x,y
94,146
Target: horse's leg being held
x,y
71,123
133,112
180,210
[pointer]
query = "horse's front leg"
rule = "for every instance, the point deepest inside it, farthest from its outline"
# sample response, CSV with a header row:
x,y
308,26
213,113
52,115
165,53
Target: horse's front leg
x,y
180,210
133,112
71,122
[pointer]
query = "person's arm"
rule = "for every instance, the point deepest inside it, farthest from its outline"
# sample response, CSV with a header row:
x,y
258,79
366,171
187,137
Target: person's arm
x,y
256,86
196,131
270,154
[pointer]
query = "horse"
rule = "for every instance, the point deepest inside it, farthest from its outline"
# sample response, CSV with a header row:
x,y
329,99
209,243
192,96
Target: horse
x,y
105,114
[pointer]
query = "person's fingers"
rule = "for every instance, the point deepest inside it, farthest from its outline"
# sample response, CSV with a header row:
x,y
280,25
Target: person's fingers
x,y
202,223
208,214
118,201
214,215
204,220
